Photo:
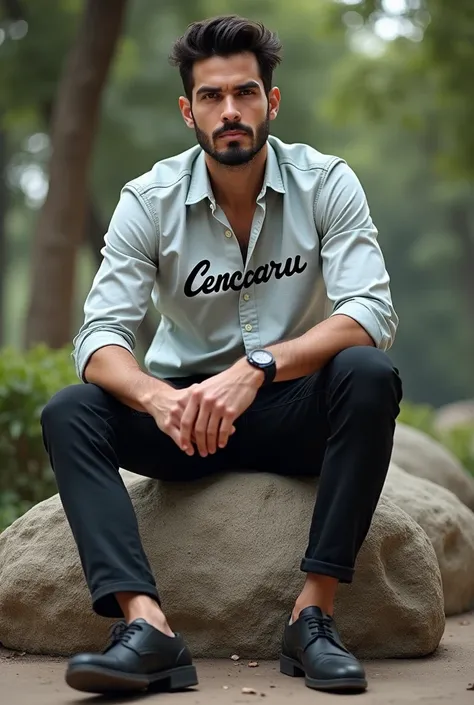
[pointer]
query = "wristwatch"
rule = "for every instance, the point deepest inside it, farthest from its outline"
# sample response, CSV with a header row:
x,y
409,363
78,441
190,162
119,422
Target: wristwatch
x,y
263,360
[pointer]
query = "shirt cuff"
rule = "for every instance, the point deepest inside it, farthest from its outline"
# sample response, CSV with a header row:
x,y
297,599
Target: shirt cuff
x,y
362,314
93,342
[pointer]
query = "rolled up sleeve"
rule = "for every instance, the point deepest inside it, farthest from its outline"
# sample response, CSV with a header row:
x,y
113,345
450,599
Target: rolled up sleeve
x,y
353,267
121,290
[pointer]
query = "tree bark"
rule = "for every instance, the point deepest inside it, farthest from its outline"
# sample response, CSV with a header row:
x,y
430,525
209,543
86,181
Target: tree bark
x,y
461,218
3,235
95,236
61,223
14,9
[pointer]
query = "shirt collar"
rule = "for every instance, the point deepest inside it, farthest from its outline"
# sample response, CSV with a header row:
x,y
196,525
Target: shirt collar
x,y
200,185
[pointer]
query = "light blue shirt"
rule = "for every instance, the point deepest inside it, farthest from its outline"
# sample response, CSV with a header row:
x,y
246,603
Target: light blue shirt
x,y
169,242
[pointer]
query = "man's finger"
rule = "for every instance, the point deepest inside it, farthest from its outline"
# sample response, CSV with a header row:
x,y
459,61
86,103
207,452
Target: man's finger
x,y
175,434
213,430
225,429
187,425
173,431
200,429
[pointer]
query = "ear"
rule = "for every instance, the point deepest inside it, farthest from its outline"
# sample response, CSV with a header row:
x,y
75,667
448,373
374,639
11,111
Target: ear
x,y
186,112
274,98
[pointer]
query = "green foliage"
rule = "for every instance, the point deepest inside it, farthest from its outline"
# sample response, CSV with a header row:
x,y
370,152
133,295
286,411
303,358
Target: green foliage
x,y
27,381
420,416
36,60
460,441
437,71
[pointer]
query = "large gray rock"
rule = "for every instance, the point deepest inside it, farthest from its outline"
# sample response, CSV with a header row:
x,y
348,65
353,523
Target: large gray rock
x,y
422,456
450,527
459,413
226,553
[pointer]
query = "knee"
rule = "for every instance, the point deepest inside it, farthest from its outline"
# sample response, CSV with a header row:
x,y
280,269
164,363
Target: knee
x,y
67,403
370,370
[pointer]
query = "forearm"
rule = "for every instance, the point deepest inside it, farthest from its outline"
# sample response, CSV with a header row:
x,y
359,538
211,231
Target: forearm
x,y
314,349
115,370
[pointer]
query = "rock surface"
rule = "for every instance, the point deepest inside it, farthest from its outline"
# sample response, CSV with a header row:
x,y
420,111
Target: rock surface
x,y
459,413
450,527
420,455
226,554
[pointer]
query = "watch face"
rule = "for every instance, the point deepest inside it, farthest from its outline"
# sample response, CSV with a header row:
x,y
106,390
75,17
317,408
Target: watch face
x,y
262,357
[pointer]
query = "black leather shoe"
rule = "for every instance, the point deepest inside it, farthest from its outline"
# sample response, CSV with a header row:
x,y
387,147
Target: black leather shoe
x,y
138,657
312,648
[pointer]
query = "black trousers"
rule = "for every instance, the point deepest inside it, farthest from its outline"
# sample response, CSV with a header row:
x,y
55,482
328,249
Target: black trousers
x,y
337,424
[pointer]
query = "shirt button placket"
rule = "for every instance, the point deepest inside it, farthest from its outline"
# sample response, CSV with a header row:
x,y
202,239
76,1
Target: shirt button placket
x,y
250,330
248,311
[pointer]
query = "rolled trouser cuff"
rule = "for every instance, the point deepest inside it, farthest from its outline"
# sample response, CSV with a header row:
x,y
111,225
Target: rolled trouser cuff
x,y
104,602
342,573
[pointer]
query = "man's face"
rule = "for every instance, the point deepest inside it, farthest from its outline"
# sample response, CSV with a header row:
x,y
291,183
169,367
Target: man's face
x,y
230,111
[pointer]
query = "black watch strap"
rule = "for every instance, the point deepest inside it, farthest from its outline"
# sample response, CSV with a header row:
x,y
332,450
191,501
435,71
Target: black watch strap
x,y
270,373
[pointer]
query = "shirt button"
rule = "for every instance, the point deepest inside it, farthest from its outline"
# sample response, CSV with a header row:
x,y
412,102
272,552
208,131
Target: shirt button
x,y
248,327
228,233
246,297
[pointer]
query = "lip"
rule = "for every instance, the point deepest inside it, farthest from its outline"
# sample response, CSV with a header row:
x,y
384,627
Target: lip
x,y
236,133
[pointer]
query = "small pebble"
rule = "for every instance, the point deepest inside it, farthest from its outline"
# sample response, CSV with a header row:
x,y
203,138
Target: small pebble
x,y
249,691
226,687
235,657
253,664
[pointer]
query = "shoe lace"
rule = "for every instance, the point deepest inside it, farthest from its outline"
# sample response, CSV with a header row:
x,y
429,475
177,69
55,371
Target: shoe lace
x,y
321,628
121,632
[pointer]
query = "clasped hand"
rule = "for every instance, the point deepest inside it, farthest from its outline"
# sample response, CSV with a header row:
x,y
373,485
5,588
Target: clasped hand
x,y
204,413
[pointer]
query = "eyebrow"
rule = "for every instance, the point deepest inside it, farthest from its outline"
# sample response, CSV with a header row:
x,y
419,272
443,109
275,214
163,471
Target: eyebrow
x,y
217,89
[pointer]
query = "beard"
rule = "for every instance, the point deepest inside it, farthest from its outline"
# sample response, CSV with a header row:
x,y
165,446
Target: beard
x,y
234,154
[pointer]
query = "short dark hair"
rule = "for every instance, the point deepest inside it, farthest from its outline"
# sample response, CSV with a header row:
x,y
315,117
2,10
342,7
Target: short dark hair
x,y
223,36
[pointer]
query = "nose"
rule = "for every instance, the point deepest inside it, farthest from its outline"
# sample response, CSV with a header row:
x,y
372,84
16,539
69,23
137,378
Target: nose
x,y
230,112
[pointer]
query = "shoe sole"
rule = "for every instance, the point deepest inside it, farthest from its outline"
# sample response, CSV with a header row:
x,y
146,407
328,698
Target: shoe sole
x,y
94,679
290,667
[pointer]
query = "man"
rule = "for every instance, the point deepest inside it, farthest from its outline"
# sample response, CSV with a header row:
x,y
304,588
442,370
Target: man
x,y
232,237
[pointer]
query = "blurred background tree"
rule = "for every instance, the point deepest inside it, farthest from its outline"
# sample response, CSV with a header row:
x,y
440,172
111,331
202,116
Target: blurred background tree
x,y
60,228
411,81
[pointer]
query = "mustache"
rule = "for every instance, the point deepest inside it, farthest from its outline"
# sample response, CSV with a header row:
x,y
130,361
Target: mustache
x,y
233,127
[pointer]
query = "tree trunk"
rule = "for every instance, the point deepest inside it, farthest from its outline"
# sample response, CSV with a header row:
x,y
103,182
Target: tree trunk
x,y
61,223
461,219
95,236
13,9
3,235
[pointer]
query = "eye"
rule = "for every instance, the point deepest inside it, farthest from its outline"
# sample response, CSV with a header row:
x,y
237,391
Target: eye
x,y
210,96
247,91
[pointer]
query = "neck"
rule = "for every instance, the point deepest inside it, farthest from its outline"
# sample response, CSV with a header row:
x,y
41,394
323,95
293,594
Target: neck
x,y
237,187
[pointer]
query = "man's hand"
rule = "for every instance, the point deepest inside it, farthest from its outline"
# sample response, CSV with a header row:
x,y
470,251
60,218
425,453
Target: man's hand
x,y
213,406
167,407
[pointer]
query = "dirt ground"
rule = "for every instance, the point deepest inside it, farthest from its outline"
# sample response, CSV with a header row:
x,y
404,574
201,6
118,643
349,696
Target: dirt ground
x,y
444,677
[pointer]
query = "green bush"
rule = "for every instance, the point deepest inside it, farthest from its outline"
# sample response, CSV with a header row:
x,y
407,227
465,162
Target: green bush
x,y
460,441
421,416
27,381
